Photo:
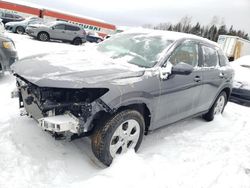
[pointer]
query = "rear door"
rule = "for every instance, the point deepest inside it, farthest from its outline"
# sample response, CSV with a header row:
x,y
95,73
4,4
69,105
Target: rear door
x,y
71,32
213,76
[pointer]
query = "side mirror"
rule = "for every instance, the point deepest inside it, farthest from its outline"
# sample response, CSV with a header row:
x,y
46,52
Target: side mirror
x,y
182,69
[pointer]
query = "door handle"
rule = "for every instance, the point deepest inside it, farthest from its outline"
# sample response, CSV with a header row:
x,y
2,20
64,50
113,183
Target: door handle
x,y
63,31
197,78
221,75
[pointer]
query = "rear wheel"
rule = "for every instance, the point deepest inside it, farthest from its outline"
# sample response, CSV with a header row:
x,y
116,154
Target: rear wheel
x,y
20,30
43,36
217,108
122,132
77,41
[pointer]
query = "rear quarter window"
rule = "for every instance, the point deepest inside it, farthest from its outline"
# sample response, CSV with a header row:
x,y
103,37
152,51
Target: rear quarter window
x,y
210,57
223,59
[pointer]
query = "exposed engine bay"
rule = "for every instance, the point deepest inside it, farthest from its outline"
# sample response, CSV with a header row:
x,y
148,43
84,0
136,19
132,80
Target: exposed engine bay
x,y
61,111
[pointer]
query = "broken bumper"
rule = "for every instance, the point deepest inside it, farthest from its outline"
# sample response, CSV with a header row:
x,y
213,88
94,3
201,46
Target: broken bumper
x,y
60,123
61,118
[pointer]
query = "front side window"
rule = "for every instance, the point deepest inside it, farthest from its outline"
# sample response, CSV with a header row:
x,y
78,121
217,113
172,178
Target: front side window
x,y
186,53
210,57
59,26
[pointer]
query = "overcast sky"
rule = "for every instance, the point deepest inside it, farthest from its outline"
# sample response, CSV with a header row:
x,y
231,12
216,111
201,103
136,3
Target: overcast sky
x,y
140,12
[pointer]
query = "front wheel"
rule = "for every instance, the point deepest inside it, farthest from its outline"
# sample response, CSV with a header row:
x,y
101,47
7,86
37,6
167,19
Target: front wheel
x,y
217,108
120,133
43,36
20,30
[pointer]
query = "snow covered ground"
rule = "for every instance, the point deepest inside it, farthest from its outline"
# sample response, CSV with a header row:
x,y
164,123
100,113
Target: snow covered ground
x,y
189,154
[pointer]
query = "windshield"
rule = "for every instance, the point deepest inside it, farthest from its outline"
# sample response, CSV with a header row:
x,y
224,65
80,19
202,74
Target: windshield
x,y
50,24
141,49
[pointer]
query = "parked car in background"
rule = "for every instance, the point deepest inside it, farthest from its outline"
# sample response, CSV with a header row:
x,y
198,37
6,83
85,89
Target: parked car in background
x,y
8,53
241,86
19,27
57,30
10,17
132,83
1,27
94,37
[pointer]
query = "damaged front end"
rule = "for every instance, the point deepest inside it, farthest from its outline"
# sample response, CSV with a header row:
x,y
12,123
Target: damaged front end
x,y
64,112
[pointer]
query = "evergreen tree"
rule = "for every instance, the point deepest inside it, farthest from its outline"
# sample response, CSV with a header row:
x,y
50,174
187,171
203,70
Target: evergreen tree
x,y
211,31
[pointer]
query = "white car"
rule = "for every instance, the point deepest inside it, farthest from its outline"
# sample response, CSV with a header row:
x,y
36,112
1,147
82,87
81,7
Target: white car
x,y
241,85
1,27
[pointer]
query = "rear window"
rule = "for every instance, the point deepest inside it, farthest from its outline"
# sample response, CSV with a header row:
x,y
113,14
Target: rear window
x,y
210,57
72,28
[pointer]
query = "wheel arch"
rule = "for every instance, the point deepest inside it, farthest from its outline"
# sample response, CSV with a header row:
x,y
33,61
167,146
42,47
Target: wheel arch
x,y
227,91
77,37
141,107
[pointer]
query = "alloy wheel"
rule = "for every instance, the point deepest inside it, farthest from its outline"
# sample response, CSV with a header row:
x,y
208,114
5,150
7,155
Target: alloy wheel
x,y
125,137
219,105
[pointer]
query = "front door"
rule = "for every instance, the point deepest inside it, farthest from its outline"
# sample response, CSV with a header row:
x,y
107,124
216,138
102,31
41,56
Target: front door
x,y
58,32
180,93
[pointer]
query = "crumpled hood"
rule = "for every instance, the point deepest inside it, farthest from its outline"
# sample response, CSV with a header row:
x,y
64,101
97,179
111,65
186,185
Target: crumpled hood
x,y
74,69
38,25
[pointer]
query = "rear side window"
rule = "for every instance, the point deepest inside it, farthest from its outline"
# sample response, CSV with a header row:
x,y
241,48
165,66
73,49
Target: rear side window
x,y
210,57
223,59
72,28
186,53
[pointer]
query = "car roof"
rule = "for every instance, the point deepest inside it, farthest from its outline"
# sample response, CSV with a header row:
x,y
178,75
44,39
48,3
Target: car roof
x,y
64,22
170,35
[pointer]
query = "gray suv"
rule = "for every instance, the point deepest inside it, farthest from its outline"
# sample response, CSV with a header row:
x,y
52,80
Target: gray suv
x,y
8,53
135,82
57,30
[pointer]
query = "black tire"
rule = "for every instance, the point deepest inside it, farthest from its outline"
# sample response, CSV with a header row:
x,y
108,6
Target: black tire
x,y
43,36
20,30
209,116
101,139
77,41
99,40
